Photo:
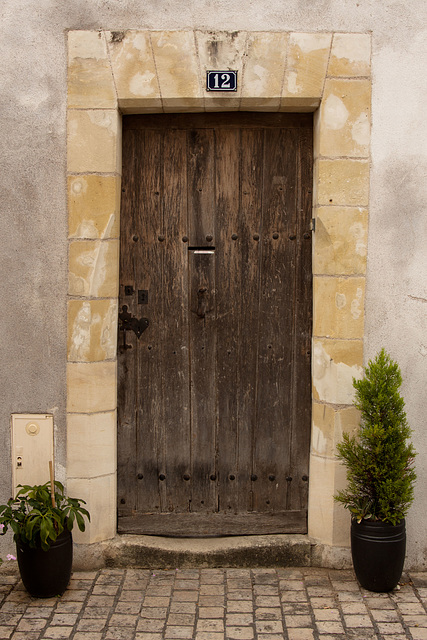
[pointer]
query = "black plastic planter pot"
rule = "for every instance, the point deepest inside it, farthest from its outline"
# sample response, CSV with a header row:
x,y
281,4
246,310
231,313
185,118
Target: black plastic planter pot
x,y
378,552
46,573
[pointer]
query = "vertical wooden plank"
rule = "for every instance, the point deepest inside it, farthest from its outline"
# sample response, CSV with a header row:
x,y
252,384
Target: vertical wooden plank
x,y
228,287
301,375
127,358
249,233
176,384
203,392
149,275
272,443
201,187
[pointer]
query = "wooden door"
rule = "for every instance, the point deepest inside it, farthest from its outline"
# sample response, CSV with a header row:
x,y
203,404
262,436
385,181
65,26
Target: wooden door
x,y
214,396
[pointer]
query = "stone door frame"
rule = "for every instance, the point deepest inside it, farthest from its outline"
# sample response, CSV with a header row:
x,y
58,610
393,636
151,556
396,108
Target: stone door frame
x,y
112,73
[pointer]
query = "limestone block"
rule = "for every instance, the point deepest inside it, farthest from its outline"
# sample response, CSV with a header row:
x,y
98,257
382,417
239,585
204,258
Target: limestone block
x,y
91,387
94,268
338,307
306,66
320,498
221,50
335,364
328,426
94,141
344,118
342,182
134,71
265,67
93,206
91,444
328,521
350,55
90,80
100,495
340,241
178,71
92,330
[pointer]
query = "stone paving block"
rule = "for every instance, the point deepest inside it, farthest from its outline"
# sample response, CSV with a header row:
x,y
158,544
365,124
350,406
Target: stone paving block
x,y
325,626
300,634
36,612
239,619
58,633
240,594
5,632
208,624
326,614
92,624
209,635
267,601
82,635
212,589
156,602
186,584
268,613
145,625
178,632
183,619
291,585
100,601
418,634
269,626
239,606
12,619
185,596
293,596
297,621
211,601
184,607
353,608
131,596
96,612
128,607
153,612
358,621
148,636
233,585
265,590
159,591
119,633
64,619
211,612
239,633
29,624
390,627
298,608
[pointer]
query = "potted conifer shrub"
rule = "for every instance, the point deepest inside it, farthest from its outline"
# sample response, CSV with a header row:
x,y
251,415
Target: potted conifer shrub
x,y
42,518
380,476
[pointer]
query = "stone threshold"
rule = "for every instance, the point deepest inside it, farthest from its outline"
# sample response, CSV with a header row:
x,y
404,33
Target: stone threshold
x,y
156,552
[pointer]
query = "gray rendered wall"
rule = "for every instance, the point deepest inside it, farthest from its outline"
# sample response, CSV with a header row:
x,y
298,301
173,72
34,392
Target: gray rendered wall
x,y
33,219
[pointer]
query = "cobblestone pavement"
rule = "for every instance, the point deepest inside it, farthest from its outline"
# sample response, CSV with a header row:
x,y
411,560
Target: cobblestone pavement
x,y
215,604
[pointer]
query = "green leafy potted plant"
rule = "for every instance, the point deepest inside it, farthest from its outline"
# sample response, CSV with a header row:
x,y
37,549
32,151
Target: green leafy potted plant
x,y
41,518
380,476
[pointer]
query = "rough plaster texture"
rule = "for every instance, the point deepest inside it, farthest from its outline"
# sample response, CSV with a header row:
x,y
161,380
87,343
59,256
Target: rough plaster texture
x,y
33,237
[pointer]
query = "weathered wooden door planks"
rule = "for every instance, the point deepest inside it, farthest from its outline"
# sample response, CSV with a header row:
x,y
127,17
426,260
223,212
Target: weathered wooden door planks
x,y
214,397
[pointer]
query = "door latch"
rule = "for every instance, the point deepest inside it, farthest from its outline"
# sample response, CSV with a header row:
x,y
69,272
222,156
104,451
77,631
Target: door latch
x,y
128,322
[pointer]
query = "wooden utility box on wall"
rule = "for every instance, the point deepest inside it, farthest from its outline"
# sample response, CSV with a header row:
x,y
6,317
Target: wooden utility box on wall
x,y
32,448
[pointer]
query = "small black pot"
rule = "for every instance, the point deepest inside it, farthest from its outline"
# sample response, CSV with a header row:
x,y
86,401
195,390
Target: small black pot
x,y
378,552
46,573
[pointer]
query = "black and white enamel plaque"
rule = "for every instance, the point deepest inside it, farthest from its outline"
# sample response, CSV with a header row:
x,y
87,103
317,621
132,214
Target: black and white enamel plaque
x,y
221,81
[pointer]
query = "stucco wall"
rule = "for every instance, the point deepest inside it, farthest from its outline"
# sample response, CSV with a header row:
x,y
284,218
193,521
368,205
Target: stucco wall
x,y
33,238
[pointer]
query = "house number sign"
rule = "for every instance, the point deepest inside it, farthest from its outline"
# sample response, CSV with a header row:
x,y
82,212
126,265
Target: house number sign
x,y
221,81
